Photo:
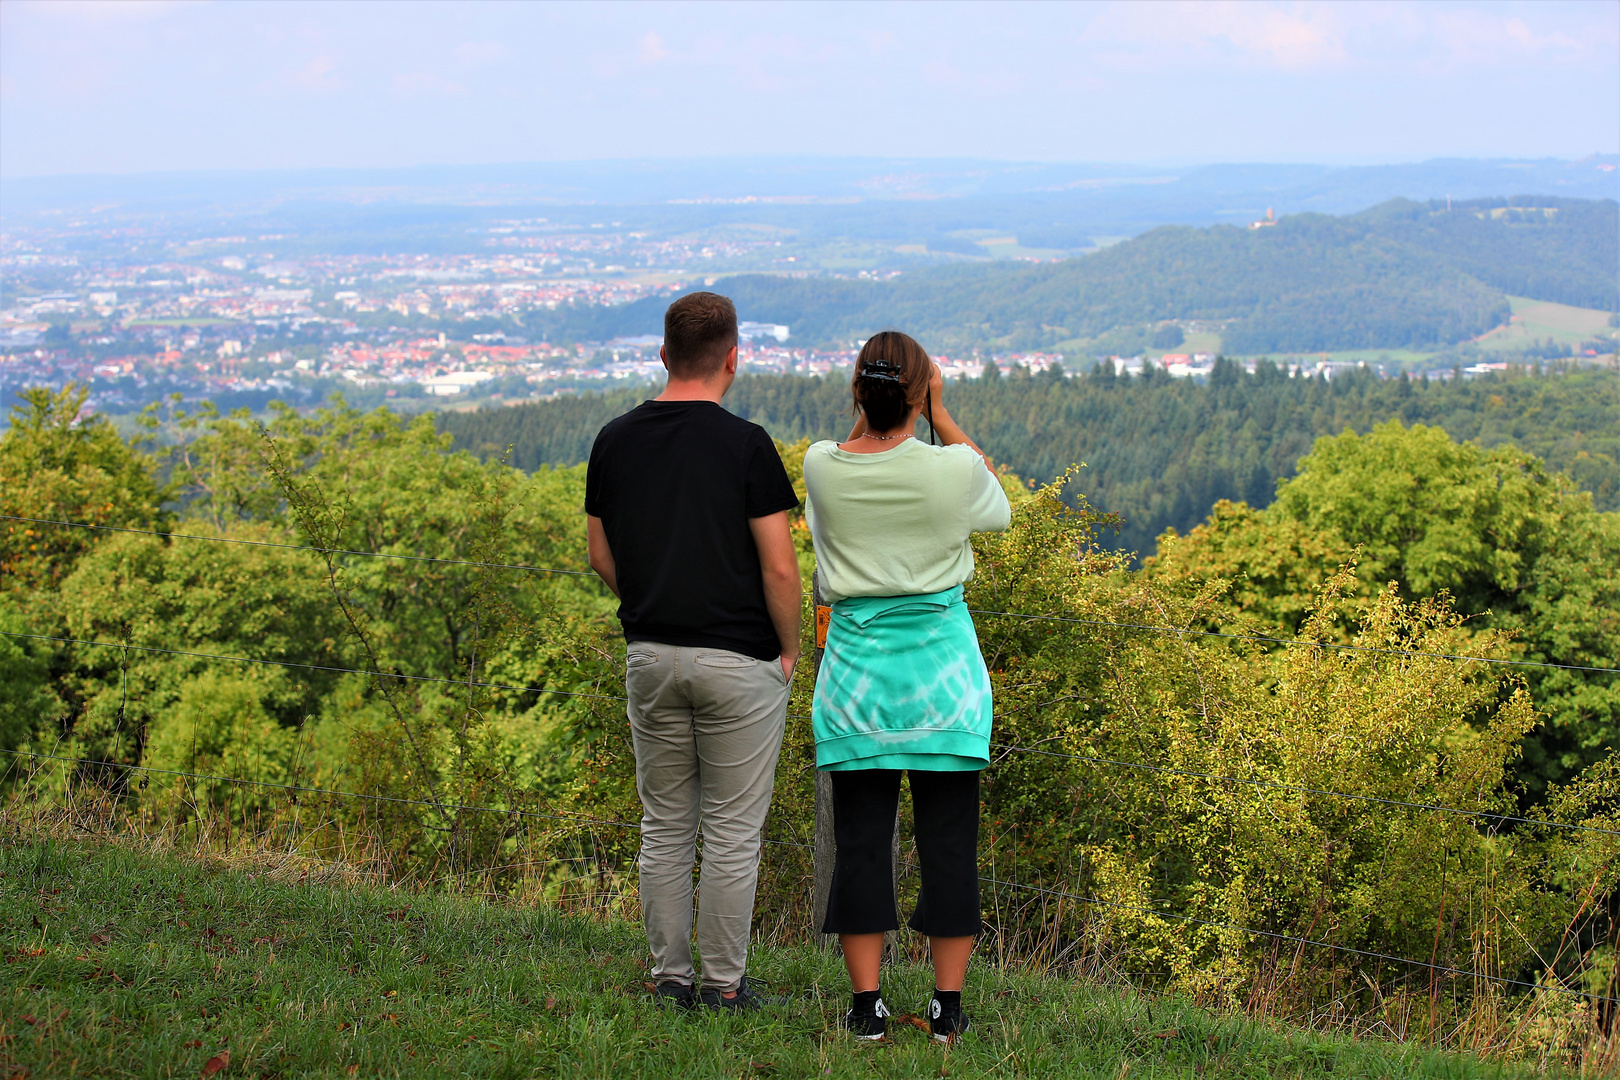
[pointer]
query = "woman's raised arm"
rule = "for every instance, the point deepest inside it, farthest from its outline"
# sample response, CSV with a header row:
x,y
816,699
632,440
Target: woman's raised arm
x,y
950,432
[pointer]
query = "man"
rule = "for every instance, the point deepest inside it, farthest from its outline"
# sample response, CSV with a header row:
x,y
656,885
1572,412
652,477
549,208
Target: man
x,y
686,513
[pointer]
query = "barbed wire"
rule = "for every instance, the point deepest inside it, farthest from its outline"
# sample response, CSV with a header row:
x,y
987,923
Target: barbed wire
x,y
615,697
1296,641
306,789
298,547
977,611
582,819
1308,790
315,667
1444,969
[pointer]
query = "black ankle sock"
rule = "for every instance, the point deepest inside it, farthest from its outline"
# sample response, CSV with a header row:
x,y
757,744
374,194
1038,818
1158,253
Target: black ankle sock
x,y
866,1002
949,1000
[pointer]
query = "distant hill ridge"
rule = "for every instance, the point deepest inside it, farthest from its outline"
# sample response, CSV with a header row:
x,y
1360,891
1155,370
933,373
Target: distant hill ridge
x,y
1402,274
1158,450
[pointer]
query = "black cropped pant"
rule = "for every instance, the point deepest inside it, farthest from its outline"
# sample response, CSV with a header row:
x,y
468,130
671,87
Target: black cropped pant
x,y
946,806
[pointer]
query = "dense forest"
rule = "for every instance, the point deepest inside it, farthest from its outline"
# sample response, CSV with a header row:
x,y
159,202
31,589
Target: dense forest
x,y
1402,274
253,641
1157,451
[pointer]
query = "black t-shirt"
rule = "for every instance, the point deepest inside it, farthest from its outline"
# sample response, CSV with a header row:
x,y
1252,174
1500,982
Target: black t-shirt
x,y
675,483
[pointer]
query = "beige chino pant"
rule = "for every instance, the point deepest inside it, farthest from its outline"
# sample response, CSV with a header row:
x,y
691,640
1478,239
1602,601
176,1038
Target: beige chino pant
x,y
707,726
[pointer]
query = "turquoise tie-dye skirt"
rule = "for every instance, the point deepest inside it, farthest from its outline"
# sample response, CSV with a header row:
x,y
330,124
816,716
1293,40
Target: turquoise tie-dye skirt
x,y
902,686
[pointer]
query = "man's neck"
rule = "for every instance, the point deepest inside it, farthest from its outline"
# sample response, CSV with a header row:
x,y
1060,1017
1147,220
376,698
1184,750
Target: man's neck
x,y
694,390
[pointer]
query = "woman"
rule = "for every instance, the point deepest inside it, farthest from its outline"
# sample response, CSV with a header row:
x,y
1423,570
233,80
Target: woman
x,y
902,685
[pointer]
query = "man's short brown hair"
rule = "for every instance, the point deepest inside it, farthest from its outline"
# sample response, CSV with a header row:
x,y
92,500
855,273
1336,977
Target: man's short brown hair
x,y
699,329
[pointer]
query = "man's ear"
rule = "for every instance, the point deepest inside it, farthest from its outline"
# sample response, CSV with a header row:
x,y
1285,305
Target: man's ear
x,y
663,357
731,361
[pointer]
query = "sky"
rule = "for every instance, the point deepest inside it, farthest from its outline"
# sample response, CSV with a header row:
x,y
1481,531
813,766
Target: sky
x,y
126,86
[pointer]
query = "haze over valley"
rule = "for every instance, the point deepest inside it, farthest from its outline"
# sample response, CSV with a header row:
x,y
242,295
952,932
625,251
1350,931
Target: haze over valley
x,y
461,284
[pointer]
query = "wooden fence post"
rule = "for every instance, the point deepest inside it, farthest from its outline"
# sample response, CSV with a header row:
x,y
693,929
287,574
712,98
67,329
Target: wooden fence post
x,y
824,843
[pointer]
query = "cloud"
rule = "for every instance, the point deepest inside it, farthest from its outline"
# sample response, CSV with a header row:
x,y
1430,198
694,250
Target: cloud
x,y
100,11
1474,37
317,76
426,84
650,49
1287,36
480,53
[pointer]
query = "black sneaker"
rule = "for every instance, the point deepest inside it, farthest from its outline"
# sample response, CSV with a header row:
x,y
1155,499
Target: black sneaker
x,y
867,1020
947,1021
746,999
674,995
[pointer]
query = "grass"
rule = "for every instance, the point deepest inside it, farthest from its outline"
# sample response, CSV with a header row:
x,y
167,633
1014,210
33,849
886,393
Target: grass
x,y
1199,341
124,960
1536,320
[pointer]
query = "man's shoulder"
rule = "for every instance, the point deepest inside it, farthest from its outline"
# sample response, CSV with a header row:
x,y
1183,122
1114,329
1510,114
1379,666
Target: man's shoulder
x,y
732,424
623,420
613,433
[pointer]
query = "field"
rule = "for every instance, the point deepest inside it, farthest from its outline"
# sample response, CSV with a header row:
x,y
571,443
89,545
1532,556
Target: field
x,y
127,960
1537,320
1533,321
1008,247
1390,359
1200,341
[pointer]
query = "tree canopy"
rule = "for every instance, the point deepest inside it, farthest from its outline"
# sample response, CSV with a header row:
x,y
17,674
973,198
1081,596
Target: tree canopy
x,y
1512,545
1157,451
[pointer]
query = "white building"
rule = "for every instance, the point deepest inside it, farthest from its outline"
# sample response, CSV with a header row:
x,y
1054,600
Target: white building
x,y
752,330
454,382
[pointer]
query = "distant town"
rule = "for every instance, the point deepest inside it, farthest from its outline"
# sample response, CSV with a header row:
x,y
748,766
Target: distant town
x,y
245,328
220,319
232,326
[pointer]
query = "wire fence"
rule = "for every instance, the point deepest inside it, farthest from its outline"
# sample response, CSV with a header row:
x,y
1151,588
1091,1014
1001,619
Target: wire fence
x,y
298,547
1160,913
310,789
1150,627
1006,748
298,790
313,667
1541,822
1410,653
584,819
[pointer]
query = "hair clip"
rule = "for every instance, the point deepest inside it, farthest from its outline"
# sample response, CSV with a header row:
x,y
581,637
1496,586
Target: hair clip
x,y
881,370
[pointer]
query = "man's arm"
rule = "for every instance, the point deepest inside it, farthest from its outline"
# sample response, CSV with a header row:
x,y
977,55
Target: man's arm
x,y
601,555
784,589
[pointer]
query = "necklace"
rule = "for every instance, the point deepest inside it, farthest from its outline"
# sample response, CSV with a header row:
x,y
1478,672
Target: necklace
x,y
885,438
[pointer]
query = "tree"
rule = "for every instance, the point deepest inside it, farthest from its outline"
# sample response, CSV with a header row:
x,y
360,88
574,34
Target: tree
x,y
1168,336
58,465
1515,546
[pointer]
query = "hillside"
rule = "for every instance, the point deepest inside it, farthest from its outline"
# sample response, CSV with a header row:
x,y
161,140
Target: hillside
x,y
1159,451
1402,274
153,965
244,660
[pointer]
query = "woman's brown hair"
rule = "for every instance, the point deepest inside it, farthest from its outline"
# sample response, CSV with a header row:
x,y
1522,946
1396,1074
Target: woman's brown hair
x,y
891,379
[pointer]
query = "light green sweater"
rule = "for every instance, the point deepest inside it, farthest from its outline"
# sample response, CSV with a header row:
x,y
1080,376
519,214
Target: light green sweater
x,y
897,523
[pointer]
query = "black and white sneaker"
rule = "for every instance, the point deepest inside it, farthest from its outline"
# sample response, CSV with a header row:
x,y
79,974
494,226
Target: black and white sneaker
x,y
868,1017
947,1021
